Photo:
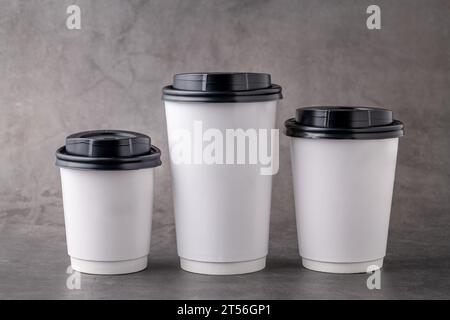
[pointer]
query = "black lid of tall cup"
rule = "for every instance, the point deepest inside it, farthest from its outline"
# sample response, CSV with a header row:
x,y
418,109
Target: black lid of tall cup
x,y
222,87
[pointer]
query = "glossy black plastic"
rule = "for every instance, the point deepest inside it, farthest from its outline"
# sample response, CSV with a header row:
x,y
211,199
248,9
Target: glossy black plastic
x,y
108,150
222,87
344,123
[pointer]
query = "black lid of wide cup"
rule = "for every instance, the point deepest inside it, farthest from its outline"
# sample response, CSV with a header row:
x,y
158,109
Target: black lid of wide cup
x,y
108,150
222,87
337,122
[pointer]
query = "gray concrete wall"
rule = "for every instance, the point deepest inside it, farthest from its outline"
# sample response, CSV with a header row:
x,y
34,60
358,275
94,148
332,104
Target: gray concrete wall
x,y
109,75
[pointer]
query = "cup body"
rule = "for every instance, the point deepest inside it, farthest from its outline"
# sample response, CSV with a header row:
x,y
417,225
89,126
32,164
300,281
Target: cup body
x,y
108,216
343,193
222,211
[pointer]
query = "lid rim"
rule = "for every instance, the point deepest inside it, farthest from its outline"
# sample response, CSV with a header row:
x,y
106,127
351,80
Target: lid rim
x,y
346,136
396,125
224,99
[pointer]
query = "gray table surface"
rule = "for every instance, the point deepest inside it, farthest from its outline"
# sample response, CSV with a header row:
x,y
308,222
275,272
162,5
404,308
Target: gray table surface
x,y
34,262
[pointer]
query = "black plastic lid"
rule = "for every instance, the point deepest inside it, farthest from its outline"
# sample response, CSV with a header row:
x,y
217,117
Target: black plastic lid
x,y
344,123
222,87
108,150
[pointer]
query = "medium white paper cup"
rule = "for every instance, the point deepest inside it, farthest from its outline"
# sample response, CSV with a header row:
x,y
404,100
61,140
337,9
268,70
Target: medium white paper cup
x,y
222,211
108,206
343,193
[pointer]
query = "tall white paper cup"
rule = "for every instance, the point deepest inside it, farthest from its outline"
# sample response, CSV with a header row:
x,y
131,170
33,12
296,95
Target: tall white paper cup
x,y
222,209
343,183
107,206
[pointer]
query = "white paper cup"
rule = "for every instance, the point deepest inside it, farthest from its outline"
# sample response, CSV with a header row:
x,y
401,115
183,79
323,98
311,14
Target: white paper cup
x,y
222,211
343,167
108,202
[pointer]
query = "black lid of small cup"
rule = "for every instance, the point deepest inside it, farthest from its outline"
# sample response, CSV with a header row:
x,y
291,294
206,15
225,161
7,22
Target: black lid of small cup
x,y
337,122
222,87
108,143
108,150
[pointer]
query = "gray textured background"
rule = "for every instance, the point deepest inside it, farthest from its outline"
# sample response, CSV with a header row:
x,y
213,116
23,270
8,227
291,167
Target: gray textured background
x,y
54,82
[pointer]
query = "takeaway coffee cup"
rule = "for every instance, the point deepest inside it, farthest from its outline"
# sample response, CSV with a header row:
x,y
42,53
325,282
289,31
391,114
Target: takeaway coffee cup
x,y
218,126
107,186
343,166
